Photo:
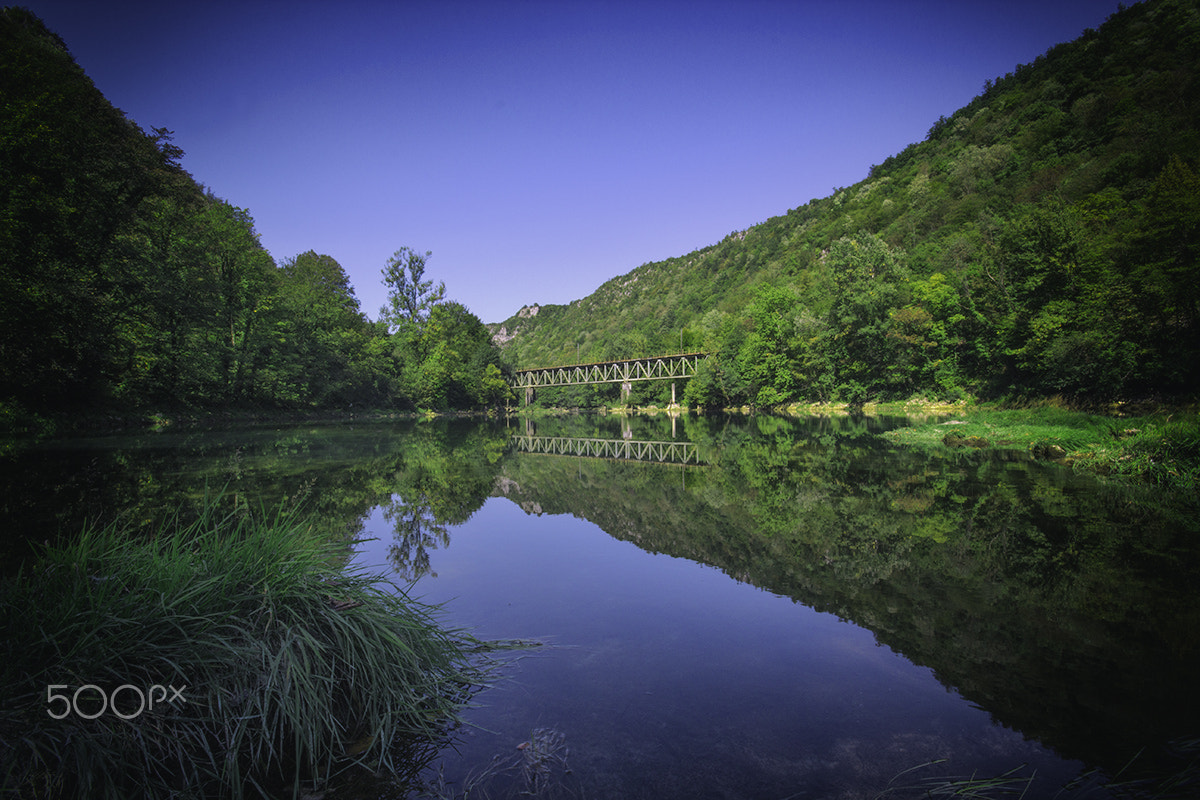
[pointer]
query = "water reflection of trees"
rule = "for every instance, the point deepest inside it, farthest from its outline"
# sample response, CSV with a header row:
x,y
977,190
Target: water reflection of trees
x,y
416,531
339,473
1060,604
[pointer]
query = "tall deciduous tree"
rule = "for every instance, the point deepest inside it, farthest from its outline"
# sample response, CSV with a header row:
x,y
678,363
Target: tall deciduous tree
x,y
244,276
410,297
458,349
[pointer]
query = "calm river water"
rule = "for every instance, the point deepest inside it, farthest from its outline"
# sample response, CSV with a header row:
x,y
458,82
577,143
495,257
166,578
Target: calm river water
x,y
759,608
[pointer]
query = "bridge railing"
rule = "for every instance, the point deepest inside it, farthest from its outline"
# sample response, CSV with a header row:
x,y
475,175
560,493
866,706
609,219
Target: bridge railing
x,y
649,368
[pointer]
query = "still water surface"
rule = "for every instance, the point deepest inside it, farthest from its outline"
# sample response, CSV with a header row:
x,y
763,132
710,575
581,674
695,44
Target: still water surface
x,y
668,678
802,609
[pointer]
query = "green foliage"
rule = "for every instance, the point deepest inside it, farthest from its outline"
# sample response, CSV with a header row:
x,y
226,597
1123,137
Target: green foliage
x,y
75,176
766,356
320,352
869,280
1163,266
451,362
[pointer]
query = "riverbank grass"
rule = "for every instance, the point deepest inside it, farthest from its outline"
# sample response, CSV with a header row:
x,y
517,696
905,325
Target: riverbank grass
x,y
230,654
1159,448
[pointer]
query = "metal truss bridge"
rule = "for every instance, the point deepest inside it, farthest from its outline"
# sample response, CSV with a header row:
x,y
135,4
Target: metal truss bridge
x,y
618,449
625,372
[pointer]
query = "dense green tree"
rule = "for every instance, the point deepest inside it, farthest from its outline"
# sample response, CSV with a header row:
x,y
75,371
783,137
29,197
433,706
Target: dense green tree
x,y
1062,319
768,355
705,387
869,284
457,350
244,275
1164,259
719,380
494,389
161,322
320,339
933,332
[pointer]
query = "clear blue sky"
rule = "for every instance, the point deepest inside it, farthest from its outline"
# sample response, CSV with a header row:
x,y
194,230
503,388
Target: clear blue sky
x,y
540,148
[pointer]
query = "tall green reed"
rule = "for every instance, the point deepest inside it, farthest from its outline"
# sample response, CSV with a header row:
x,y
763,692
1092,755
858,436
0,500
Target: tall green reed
x,y
278,663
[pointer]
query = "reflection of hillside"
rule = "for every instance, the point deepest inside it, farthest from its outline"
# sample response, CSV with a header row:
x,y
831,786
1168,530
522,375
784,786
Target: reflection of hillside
x,y
1063,610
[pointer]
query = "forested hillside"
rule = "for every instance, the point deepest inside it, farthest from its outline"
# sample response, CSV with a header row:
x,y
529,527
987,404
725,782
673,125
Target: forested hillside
x,y
1042,240
125,285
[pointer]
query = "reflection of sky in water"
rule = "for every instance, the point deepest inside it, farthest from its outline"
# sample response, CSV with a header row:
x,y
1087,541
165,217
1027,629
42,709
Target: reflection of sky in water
x,y
670,679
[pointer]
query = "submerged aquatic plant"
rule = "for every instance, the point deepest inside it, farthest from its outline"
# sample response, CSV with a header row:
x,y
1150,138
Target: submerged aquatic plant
x,y
1173,774
273,661
1015,782
545,752
538,770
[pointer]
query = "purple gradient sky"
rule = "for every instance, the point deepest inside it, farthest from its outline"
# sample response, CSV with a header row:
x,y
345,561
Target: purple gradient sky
x,y
540,148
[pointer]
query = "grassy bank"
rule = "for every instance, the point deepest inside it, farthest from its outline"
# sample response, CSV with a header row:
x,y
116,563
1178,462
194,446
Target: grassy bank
x,y
1161,448
276,663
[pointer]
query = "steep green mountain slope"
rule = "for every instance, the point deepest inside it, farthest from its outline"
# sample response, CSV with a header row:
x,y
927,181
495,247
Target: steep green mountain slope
x,y
1041,240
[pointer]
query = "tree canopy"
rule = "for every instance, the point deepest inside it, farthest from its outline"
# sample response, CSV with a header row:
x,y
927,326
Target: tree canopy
x,y
410,298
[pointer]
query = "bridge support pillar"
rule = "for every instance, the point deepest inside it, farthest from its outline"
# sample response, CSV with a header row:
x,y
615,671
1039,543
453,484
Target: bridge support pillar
x,y
673,393
528,395
626,388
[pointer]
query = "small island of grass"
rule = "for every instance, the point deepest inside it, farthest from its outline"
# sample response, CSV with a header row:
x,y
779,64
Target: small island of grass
x,y
1160,447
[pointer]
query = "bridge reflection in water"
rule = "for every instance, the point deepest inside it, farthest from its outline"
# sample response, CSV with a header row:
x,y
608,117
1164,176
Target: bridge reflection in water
x,y
620,449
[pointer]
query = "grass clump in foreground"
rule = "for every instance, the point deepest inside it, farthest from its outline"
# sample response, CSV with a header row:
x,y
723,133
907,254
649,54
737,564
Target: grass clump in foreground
x,y
1163,449
293,666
